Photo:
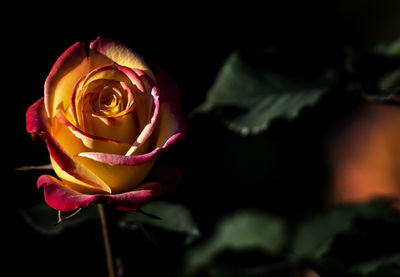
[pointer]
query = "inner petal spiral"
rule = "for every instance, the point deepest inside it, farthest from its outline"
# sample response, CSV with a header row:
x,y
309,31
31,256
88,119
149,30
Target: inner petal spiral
x,y
110,101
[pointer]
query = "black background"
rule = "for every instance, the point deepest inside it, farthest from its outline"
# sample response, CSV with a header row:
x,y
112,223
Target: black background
x,y
221,170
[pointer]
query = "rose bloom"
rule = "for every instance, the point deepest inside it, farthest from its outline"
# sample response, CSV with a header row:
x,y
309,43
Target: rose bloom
x,y
106,117
365,156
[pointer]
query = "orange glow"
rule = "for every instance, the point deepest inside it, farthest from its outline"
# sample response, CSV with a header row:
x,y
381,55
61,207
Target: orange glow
x,y
365,156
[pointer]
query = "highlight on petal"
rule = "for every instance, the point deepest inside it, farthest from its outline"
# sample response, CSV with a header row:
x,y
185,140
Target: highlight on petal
x,y
114,51
72,170
114,159
150,126
65,73
91,141
36,119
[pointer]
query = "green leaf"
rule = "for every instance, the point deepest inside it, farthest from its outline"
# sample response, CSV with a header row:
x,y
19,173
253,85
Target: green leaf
x,y
382,72
43,219
389,48
314,237
257,94
243,230
377,264
173,218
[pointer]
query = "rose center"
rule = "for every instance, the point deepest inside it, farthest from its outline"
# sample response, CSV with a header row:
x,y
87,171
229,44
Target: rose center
x,y
107,102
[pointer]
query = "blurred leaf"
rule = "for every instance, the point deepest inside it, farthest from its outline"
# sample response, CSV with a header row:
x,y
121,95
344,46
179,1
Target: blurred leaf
x,y
389,48
173,218
314,237
379,72
256,94
244,230
378,264
43,219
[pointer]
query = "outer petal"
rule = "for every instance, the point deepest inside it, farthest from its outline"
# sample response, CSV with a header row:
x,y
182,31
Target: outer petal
x,y
132,200
36,118
62,198
67,70
64,164
172,126
113,51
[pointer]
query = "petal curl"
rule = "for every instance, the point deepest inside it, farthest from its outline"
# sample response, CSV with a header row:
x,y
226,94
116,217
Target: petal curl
x,y
172,126
64,162
62,198
65,73
115,159
151,123
90,141
36,119
113,51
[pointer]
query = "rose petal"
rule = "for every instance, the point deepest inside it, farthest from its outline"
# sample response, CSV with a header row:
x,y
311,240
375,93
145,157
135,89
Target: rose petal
x,y
115,159
65,73
132,200
62,198
144,101
113,51
92,142
150,126
36,118
66,166
172,127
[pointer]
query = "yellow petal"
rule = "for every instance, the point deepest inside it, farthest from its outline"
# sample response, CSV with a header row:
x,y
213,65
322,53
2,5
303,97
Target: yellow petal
x,y
104,51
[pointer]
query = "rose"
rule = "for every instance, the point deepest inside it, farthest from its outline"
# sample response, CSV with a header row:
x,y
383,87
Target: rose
x,y
106,117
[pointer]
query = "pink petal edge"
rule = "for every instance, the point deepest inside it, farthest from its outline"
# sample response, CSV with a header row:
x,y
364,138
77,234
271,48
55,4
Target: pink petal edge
x,y
101,44
61,198
36,118
71,58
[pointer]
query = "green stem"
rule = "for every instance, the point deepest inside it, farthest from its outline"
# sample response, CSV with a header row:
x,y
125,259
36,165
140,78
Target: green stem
x,y
107,246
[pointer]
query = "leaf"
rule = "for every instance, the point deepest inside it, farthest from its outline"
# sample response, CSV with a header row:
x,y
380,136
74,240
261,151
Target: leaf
x,y
243,230
257,94
380,72
44,219
172,217
314,237
377,264
389,48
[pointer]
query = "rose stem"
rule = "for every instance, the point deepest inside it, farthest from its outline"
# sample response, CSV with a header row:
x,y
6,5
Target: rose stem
x,y
107,246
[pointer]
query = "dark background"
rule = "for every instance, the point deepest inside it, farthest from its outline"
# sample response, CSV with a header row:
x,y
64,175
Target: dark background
x,y
282,170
